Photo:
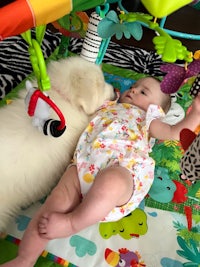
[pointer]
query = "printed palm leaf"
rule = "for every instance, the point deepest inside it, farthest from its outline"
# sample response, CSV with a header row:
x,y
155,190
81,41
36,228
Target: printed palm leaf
x,y
187,235
194,192
189,251
178,226
111,25
167,154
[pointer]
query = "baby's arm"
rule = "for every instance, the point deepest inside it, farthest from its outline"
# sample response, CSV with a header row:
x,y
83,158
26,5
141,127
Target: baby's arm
x,y
163,131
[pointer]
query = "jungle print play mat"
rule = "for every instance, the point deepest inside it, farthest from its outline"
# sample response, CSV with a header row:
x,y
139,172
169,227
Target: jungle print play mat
x,y
164,231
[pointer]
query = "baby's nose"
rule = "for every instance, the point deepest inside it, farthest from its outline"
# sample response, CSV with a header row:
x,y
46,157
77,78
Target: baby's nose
x,y
132,89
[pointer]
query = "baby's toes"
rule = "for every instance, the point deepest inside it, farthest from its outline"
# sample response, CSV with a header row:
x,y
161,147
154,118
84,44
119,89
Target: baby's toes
x,y
42,225
42,229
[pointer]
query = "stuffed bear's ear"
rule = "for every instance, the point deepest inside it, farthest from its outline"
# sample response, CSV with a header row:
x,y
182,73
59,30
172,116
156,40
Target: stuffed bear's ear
x,y
88,105
195,89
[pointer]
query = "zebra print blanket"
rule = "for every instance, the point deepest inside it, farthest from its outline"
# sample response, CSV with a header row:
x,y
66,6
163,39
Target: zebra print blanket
x,y
127,57
14,59
15,64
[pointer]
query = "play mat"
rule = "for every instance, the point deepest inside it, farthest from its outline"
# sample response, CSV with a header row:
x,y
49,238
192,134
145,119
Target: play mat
x,y
164,231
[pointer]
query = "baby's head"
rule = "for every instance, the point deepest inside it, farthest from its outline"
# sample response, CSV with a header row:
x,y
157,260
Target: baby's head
x,y
144,92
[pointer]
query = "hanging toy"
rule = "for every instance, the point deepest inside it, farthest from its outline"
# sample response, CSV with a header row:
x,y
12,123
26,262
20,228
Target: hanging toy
x,y
93,44
160,9
37,101
176,75
73,25
38,106
112,25
21,15
40,110
92,41
170,49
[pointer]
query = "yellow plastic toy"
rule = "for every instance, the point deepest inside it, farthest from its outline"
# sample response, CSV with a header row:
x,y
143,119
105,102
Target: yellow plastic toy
x,y
162,8
29,14
22,15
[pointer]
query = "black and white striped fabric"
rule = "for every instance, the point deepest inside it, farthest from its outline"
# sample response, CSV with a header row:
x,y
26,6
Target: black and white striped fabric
x,y
127,57
14,59
15,63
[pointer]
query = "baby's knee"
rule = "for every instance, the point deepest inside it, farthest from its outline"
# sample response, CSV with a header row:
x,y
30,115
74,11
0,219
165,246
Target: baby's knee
x,y
119,176
122,183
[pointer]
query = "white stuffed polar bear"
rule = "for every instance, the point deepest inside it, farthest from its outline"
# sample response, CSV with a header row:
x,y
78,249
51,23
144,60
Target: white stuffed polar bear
x,y
32,163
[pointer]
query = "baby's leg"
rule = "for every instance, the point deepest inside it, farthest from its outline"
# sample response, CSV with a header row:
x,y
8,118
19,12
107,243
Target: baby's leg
x,y
64,198
112,187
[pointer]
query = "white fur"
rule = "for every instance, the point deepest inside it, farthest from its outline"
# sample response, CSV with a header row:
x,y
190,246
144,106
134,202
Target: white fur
x,y
32,163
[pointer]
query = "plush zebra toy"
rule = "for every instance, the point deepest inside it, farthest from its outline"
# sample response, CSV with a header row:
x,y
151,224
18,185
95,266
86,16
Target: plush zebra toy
x,y
92,40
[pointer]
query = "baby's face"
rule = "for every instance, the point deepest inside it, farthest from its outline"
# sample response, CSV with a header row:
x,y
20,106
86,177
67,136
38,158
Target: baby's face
x,y
144,92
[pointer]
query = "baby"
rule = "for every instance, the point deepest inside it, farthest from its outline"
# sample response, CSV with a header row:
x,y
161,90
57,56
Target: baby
x,y
111,171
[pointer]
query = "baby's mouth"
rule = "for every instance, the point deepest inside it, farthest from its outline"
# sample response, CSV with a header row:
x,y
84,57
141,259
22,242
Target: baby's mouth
x,y
129,96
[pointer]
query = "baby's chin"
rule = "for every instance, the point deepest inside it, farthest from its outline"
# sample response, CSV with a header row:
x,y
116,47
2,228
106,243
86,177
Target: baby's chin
x,y
126,100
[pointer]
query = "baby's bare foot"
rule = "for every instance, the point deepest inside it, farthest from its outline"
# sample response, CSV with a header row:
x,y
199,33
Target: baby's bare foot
x,y
55,225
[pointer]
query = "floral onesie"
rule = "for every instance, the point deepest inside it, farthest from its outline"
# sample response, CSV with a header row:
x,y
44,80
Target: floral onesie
x,y
118,134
